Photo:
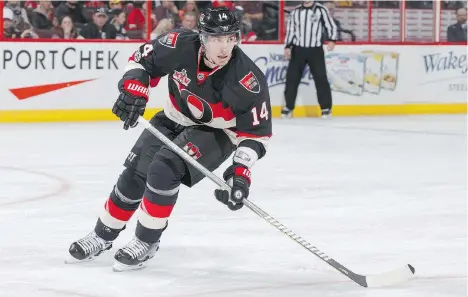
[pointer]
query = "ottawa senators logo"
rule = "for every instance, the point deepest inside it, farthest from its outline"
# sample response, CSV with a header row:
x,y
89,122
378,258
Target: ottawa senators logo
x,y
169,40
199,109
250,83
192,150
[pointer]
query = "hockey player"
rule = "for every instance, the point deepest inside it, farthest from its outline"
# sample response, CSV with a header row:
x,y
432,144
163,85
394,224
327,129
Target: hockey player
x,y
218,104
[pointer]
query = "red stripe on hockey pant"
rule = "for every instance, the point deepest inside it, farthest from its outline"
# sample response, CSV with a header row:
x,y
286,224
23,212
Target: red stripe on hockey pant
x,y
244,172
117,212
155,210
136,88
248,135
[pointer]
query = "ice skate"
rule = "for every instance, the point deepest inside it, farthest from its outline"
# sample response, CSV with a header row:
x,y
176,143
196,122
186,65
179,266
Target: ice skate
x,y
134,255
87,248
326,113
286,113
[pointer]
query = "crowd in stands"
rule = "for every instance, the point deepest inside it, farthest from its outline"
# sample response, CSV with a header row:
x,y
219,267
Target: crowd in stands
x,y
453,31
125,20
73,19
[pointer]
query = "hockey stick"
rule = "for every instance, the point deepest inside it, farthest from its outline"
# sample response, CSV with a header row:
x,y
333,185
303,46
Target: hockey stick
x,y
383,279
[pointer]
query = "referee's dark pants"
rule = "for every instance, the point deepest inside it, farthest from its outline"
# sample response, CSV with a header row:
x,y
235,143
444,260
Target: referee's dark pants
x,y
315,58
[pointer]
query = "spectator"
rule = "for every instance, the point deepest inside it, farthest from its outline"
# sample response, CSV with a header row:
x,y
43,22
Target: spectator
x,y
135,18
115,4
94,4
40,16
9,30
66,30
457,32
190,21
30,4
331,8
252,16
74,9
98,29
168,10
29,33
164,26
227,4
262,18
55,24
20,16
453,4
203,4
249,36
253,11
189,6
118,21
56,4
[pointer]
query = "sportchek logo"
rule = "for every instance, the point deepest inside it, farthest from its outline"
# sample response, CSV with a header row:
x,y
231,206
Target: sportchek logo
x,y
136,88
33,91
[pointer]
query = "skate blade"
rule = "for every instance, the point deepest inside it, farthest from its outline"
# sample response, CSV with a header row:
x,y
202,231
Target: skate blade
x,y
120,267
72,260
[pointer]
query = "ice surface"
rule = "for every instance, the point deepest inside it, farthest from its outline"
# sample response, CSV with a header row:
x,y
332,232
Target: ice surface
x,y
374,193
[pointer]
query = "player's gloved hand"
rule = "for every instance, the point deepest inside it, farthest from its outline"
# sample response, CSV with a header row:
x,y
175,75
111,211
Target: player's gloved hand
x,y
238,178
131,102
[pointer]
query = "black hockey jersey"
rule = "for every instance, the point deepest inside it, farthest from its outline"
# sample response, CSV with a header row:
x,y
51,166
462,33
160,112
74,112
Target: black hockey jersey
x,y
234,97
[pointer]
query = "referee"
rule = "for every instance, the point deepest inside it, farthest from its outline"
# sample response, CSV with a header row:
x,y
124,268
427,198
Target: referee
x,y
304,46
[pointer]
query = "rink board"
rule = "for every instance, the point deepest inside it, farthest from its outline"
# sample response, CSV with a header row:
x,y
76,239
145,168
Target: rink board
x,y
58,81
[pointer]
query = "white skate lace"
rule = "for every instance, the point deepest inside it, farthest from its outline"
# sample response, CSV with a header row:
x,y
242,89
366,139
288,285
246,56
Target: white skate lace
x,y
136,248
91,243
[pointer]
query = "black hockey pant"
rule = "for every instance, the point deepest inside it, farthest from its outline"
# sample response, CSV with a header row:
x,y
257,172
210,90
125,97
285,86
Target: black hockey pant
x,y
154,173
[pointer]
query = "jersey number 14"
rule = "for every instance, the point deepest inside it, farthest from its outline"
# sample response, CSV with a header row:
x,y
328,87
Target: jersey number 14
x,y
256,116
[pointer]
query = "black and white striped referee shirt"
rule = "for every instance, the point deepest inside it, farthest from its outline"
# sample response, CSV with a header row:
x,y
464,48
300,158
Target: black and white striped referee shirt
x,y
306,24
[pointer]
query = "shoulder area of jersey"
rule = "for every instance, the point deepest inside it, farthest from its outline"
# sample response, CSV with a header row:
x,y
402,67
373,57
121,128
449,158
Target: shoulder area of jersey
x,y
245,75
174,38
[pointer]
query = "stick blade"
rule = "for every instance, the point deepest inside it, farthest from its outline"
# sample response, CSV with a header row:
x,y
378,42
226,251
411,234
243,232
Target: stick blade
x,y
391,277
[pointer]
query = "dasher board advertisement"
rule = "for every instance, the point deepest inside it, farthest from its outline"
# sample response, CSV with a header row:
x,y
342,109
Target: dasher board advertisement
x,y
83,76
373,74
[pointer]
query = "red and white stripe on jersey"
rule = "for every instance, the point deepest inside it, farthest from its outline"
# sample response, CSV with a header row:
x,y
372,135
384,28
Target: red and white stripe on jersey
x,y
115,217
154,216
237,137
132,64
